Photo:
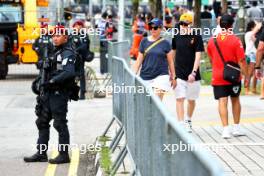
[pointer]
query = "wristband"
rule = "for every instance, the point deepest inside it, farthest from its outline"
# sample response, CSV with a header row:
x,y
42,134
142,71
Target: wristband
x,y
175,77
257,68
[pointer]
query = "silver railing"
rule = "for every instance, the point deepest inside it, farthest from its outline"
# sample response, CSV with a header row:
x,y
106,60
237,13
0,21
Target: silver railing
x,y
148,127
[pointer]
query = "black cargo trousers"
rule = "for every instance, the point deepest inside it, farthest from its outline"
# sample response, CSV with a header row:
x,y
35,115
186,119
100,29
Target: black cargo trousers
x,y
53,105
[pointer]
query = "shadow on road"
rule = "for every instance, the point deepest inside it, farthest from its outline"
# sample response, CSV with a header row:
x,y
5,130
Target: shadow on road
x,y
12,77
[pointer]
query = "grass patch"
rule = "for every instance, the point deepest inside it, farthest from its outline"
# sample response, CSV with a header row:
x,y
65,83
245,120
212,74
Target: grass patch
x,y
104,139
206,70
105,160
105,155
206,78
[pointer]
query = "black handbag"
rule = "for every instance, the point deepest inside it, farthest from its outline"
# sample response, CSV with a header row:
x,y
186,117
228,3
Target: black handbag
x,y
89,56
232,71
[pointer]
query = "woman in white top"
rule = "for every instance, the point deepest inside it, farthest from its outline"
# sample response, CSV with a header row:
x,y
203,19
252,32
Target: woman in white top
x,y
251,50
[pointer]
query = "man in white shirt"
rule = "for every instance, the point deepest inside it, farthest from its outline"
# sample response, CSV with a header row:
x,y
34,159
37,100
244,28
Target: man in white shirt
x,y
254,12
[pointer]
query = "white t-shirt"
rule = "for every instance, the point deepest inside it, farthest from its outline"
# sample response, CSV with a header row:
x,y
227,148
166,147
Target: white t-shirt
x,y
250,43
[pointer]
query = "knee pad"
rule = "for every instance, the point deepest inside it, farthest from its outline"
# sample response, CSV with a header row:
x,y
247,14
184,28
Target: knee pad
x,y
42,124
60,125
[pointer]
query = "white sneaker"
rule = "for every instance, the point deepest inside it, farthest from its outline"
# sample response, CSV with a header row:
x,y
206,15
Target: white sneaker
x,y
182,124
188,126
226,133
237,131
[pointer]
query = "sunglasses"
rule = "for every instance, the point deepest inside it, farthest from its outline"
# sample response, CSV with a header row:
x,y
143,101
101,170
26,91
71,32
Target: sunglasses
x,y
184,24
154,27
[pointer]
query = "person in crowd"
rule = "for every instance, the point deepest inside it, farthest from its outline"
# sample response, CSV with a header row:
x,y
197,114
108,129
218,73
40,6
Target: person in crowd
x,y
138,28
102,26
206,14
168,21
250,38
254,12
42,43
188,47
217,8
231,48
176,14
110,28
218,27
210,8
154,58
53,97
148,18
259,60
81,44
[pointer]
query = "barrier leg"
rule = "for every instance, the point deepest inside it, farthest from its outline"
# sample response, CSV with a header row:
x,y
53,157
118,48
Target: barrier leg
x,y
117,139
120,158
108,127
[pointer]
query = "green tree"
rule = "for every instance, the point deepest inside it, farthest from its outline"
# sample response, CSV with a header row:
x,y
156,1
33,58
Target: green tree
x,y
224,6
197,12
156,8
135,4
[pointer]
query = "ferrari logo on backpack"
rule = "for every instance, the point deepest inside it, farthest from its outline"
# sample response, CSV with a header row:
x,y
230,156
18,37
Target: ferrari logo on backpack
x,y
236,89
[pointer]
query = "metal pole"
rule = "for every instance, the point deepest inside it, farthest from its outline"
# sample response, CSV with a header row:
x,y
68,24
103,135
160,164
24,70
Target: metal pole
x,y
62,11
103,5
60,8
58,12
121,15
164,3
90,8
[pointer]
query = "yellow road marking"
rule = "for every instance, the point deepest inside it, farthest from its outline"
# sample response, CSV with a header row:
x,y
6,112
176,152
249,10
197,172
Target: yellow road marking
x,y
217,123
52,167
74,162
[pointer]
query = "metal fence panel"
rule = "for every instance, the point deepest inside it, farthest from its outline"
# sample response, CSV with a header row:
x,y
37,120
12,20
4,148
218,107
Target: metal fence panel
x,y
117,89
119,49
129,110
149,126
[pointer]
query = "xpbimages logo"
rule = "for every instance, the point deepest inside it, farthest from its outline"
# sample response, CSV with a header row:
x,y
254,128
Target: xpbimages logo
x,y
183,147
83,148
196,31
70,31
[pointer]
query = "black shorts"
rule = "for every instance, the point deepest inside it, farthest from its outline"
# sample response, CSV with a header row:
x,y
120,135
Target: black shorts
x,y
227,90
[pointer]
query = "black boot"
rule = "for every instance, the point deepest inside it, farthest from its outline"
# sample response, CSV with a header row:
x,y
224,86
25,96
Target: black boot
x,y
37,157
60,159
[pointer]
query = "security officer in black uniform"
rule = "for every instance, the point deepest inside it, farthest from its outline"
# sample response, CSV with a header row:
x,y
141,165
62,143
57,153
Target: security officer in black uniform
x,y
41,42
81,45
53,102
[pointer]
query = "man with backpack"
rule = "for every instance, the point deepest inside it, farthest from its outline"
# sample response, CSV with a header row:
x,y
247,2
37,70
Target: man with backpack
x,y
227,56
57,87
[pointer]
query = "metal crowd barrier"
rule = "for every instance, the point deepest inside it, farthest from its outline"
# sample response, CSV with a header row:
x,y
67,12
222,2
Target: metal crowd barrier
x,y
120,49
148,127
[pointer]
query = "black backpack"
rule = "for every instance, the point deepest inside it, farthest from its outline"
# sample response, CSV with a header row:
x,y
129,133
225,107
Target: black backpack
x,y
78,61
73,85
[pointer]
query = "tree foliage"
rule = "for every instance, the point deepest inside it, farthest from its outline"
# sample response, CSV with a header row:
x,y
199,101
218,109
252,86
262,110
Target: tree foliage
x,y
197,13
